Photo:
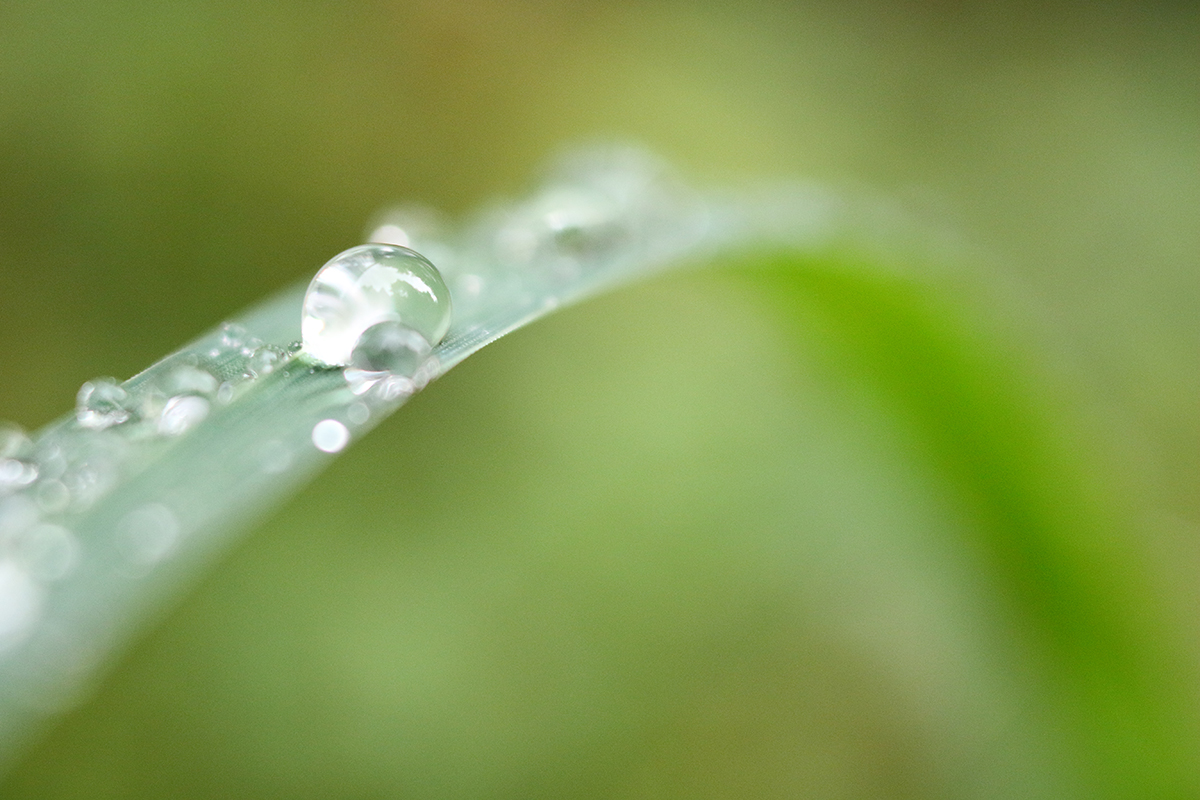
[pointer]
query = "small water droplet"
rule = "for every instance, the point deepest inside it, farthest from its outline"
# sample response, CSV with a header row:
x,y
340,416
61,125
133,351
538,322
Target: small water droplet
x,y
16,474
330,436
20,603
88,481
390,347
360,381
225,393
367,285
148,535
393,387
233,334
47,552
102,403
263,361
181,414
358,413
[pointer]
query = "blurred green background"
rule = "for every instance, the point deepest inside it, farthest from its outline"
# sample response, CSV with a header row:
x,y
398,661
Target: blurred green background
x,y
795,533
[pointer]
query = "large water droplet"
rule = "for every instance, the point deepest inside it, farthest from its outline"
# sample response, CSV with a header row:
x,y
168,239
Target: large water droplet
x,y
102,403
365,286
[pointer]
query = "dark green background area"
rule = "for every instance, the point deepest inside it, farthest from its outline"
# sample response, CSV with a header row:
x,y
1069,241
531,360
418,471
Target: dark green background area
x,y
775,529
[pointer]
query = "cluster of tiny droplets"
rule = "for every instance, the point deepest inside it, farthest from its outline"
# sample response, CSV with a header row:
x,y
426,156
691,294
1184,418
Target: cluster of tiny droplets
x,y
69,469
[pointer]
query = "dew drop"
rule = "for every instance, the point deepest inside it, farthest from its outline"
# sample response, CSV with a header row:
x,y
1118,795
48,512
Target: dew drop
x,y
233,335
330,436
390,347
365,286
181,414
225,393
378,385
89,480
16,474
263,361
360,381
102,403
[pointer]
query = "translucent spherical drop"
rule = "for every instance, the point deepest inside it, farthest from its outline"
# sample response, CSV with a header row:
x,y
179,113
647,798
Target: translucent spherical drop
x,y
365,286
390,347
102,403
263,360
16,474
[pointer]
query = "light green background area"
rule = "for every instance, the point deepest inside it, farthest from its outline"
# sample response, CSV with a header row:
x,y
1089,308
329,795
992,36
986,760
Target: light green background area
x,y
708,537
